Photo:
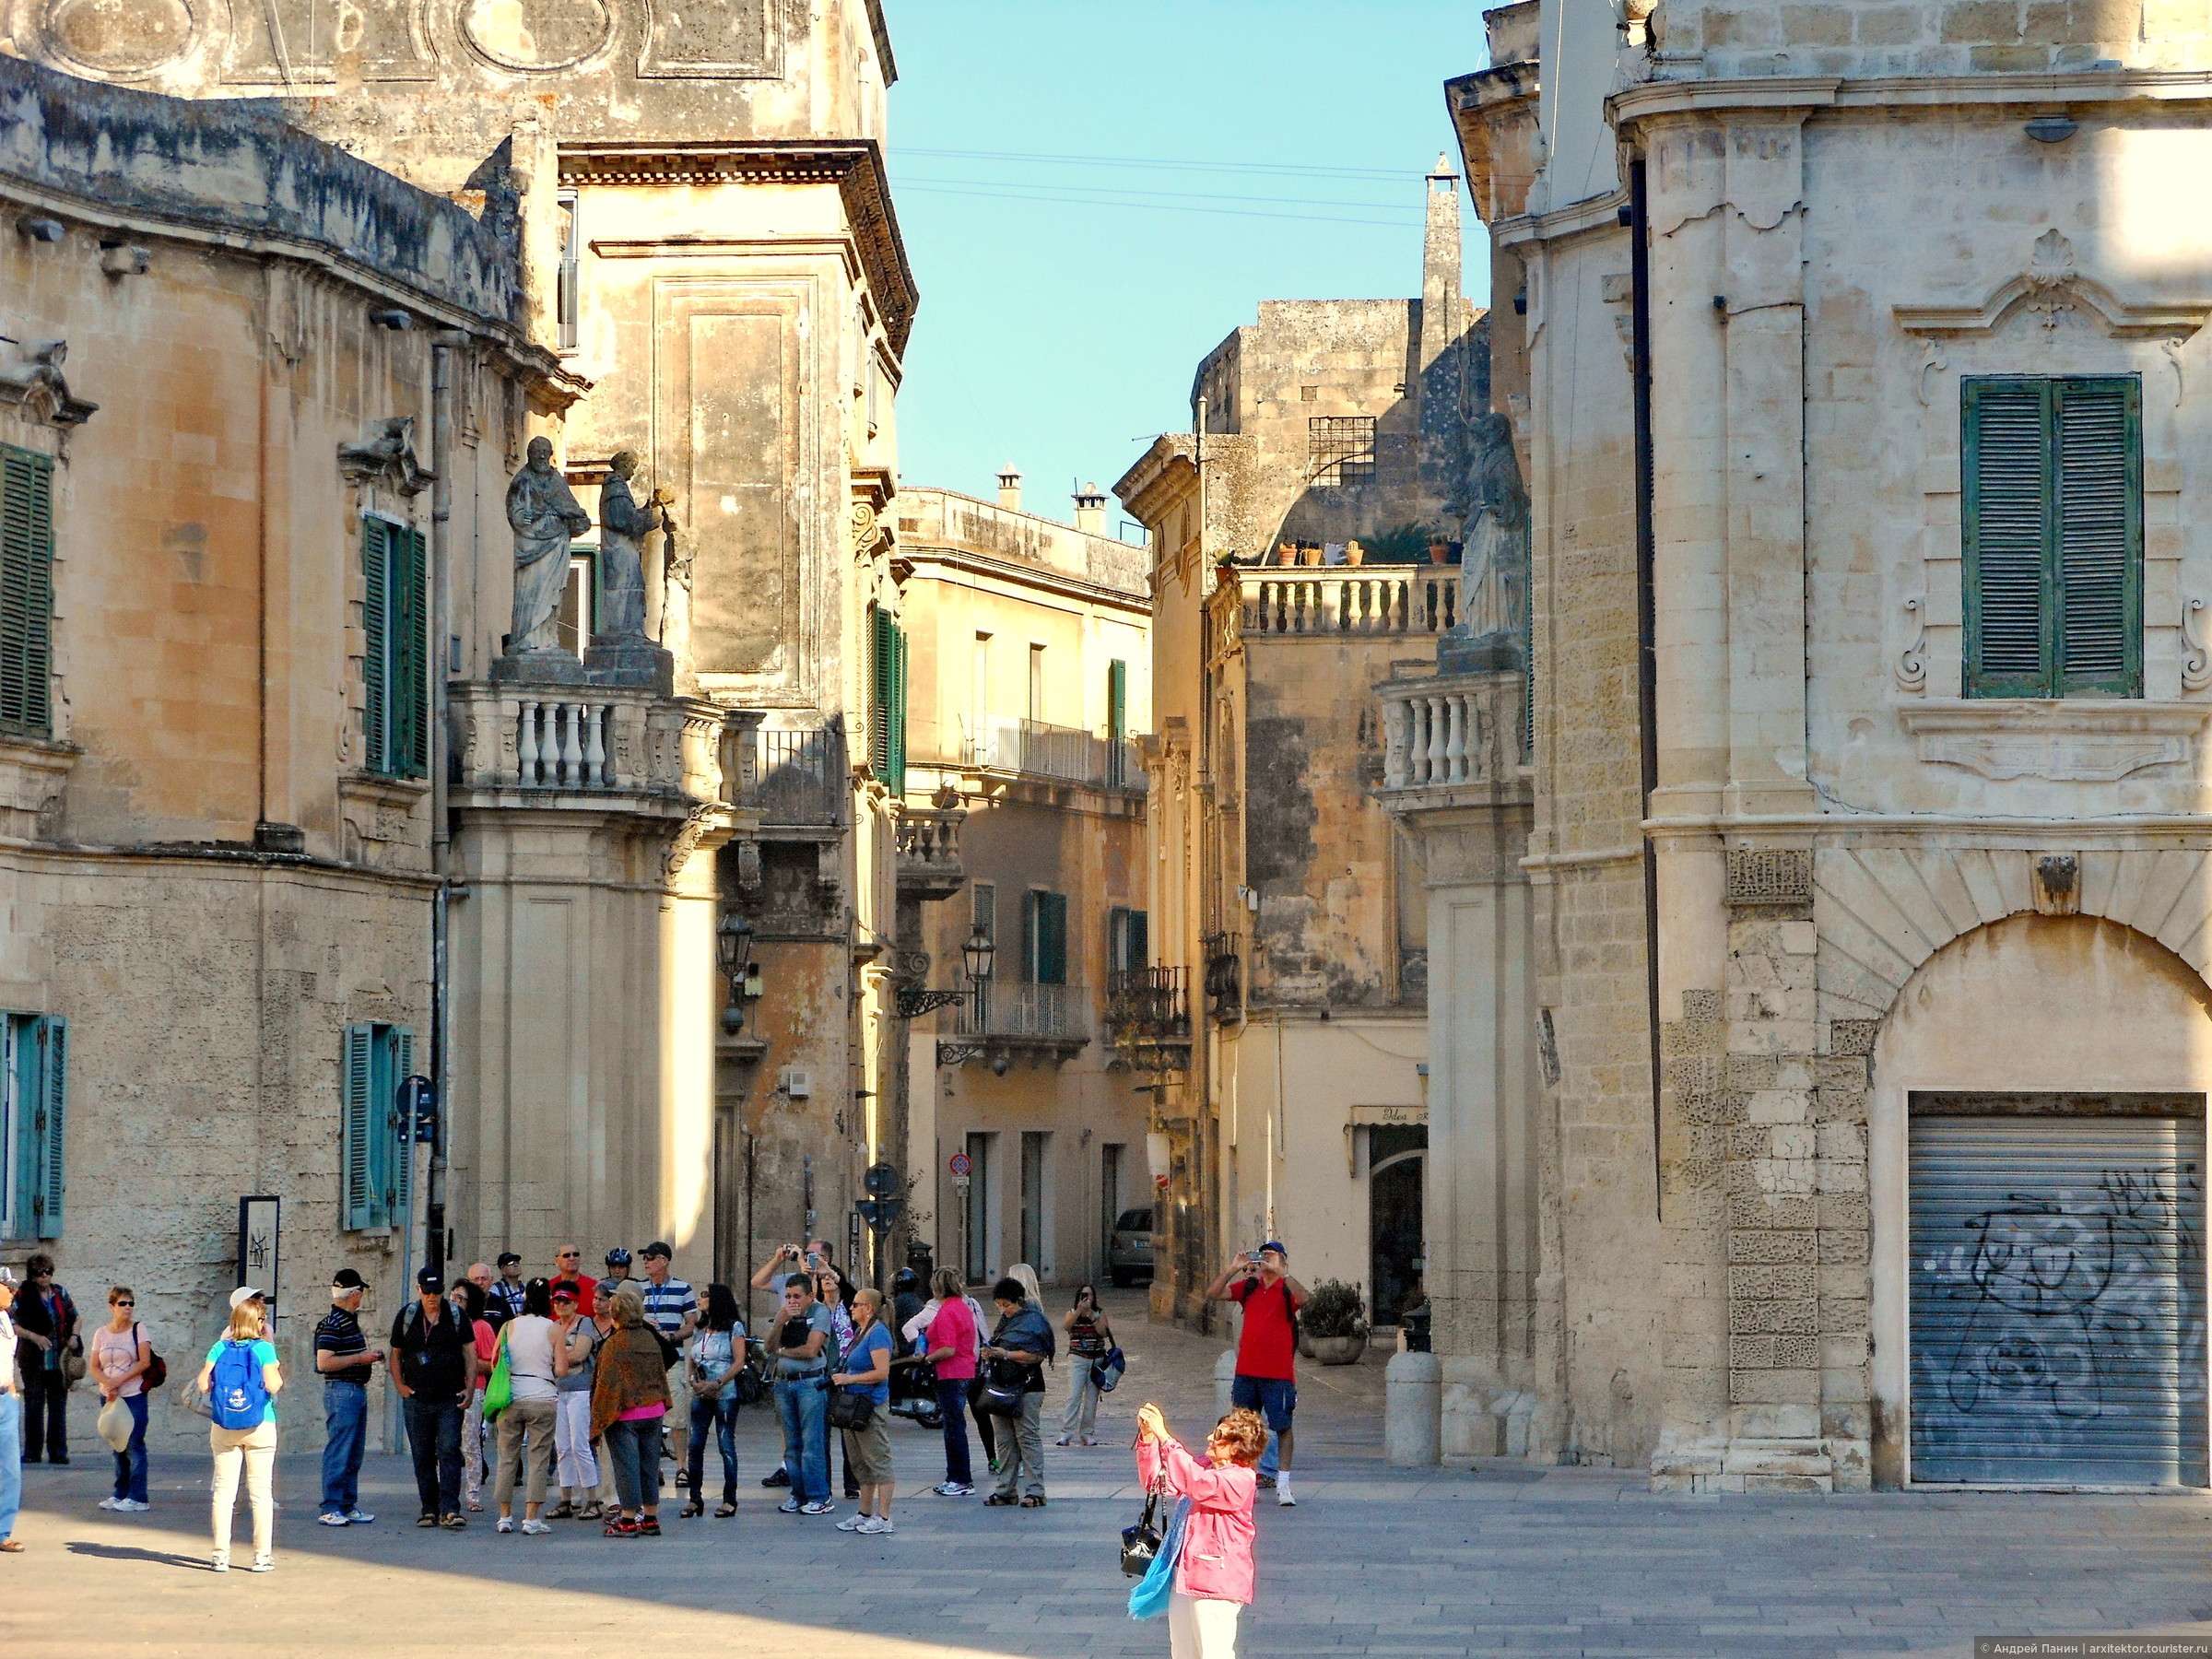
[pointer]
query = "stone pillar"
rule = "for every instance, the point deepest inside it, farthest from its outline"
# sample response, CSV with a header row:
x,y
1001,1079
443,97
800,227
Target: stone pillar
x,y
1412,1411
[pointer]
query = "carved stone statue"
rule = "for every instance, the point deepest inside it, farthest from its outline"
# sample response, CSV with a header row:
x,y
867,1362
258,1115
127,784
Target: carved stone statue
x,y
544,517
675,585
1493,573
623,526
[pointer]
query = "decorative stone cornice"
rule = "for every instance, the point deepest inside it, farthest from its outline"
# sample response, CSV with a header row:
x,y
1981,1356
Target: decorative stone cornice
x,y
2052,285
2066,740
855,167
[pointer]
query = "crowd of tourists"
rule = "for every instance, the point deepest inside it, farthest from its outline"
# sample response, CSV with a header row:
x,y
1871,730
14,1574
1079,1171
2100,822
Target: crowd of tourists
x,y
578,1390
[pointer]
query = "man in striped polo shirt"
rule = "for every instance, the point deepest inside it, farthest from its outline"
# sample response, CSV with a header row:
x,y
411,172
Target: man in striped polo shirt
x,y
672,1309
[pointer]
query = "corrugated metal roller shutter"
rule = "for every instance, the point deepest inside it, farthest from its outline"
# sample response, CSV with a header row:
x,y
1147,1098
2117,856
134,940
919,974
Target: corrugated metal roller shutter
x,y
2058,1300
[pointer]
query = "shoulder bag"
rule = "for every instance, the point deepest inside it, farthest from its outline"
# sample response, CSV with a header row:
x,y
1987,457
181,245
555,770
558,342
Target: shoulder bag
x,y
1141,1543
850,1409
498,1394
1106,1369
157,1367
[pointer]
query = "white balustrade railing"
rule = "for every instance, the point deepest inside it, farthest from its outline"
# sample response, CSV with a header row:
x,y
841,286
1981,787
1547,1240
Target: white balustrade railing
x,y
562,745
1449,730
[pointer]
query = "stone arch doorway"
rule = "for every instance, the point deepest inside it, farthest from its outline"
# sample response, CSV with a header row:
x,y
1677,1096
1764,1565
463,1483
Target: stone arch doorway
x,y
1398,1165
2036,1154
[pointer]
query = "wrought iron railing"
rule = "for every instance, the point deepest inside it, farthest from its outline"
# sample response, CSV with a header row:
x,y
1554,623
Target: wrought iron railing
x,y
803,782
1048,1011
1033,747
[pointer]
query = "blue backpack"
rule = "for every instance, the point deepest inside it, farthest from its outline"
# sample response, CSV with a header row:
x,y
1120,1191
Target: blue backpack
x,y
235,1392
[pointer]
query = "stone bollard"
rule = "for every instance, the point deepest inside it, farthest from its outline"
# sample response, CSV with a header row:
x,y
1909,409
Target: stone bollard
x,y
1225,1378
1413,1409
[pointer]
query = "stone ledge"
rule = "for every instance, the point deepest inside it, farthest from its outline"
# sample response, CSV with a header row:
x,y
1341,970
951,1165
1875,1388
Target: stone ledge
x,y
2066,739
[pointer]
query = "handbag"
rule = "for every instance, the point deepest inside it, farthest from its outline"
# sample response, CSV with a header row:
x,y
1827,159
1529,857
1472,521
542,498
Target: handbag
x,y
848,1408
1141,1543
1148,1598
999,1397
1106,1369
157,1367
72,1361
498,1394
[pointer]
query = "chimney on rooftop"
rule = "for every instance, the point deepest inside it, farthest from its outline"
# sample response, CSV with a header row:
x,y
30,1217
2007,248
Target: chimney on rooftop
x,y
1009,488
1090,510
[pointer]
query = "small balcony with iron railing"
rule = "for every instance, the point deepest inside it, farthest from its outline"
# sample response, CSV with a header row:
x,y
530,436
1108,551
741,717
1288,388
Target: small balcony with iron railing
x,y
1148,1010
801,780
1033,748
999,1023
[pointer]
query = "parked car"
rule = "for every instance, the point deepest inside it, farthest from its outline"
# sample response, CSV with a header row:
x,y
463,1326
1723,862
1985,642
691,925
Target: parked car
x,y
1129,1249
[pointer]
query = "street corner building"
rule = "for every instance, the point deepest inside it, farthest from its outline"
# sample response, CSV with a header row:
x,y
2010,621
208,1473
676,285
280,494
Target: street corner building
x,y
1810,818
448,585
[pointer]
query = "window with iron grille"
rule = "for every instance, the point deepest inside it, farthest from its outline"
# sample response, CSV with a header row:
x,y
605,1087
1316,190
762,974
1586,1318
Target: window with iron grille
x,y
1340,448
26,593
2053,515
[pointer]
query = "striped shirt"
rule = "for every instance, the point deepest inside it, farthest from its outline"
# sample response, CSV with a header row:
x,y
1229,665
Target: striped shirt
x,y
667,1306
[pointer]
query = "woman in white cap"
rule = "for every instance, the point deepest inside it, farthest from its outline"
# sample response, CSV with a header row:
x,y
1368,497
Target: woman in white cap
x,y
242,1380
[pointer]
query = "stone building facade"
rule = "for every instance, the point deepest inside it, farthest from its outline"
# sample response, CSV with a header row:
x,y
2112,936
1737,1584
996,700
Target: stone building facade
x,y
1031,679
1852,360
1291,531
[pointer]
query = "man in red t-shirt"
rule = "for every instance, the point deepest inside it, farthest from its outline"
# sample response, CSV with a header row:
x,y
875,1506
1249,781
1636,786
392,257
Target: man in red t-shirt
x,y
568,1270
1267,1379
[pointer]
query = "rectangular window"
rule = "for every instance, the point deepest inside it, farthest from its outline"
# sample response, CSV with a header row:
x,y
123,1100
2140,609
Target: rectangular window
x,y
566,299
34,1098
1340,448
1128,946
1045,937
887,701
2053,515
374,1163
26,591
1117,724
579,600
395,666
1037,682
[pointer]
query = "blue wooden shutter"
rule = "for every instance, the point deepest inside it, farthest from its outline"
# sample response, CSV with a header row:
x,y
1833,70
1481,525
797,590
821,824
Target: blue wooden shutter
x,y
399,1139
376,654
26,591
51,1125
1051,938
409,691
2098,450
360,1192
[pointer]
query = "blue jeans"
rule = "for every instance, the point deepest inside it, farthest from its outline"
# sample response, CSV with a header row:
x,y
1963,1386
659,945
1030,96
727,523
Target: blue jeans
x,y
636,1450
11,1461
434,1437
346,1422
718,1411
130,1463
804,1405
1277,1399
952,1404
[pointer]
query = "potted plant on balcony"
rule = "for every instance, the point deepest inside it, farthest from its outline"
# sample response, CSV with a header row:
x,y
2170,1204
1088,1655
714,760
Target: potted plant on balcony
x,y
1331,1326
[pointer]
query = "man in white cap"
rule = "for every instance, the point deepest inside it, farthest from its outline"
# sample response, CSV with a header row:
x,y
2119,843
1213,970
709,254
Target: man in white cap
x,y
347,1363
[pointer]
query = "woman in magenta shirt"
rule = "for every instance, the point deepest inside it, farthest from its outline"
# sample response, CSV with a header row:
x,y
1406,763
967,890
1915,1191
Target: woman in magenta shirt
x,y
1214,1574
950,1342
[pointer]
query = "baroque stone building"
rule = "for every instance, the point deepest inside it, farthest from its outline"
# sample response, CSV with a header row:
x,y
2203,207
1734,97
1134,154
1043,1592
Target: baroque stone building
x,y
1853,358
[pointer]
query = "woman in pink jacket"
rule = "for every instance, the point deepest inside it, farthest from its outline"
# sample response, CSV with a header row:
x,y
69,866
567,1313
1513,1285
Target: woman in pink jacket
x,y
1214,1574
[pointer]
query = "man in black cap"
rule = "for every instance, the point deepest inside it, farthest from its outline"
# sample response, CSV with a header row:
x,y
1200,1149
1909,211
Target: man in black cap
x,y
347,1363
435,1367
507,1289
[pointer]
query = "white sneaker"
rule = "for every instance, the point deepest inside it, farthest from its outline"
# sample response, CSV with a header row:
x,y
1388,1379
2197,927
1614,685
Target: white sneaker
x,y
131,1506
333,1519
854,1523
506,1524
359,1517
263,1564
220,1561
819,1507
1283,1498
535,1529
1062,1440
108,1503
875,1526
953,1488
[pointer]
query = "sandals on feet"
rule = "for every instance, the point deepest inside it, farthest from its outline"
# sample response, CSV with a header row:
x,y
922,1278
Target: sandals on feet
x,y
1032,1503
690,1510
725,1512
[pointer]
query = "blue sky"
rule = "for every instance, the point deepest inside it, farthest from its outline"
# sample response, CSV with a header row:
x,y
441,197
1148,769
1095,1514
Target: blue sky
x,y
1094,194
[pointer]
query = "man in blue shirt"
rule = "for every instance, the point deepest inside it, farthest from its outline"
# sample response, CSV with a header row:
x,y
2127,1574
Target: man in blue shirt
x,y
347,1363
797,1338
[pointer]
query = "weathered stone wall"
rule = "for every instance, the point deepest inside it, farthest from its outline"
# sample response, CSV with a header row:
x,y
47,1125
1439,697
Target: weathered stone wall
x,y
1945,37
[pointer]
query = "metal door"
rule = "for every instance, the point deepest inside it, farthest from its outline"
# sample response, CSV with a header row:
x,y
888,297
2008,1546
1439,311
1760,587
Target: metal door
x,y
2057,1287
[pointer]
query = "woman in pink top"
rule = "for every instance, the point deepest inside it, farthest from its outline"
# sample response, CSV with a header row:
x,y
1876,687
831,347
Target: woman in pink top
x,y
950,1342
1214,1574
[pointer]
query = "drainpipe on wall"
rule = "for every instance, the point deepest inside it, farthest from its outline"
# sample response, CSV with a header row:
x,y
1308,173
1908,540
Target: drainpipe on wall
x,y
442,666
1647,649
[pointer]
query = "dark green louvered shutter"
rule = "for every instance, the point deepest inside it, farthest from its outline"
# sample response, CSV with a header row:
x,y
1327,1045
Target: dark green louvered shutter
x,y
898,771
376,654
1117,722
399,1139
1049,913
51,1125
409,746
2053,531
26,591
887,701
1138,949
360,1192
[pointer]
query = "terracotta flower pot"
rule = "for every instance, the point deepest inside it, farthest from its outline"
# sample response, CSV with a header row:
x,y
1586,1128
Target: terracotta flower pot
x,y
1440,553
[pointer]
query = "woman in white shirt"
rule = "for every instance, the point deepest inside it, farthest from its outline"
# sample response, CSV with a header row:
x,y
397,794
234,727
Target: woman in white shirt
x,y
711,1361
537,1360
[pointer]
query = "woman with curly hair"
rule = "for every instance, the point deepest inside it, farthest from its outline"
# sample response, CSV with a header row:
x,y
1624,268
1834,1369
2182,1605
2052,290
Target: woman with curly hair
x,y
1214,1574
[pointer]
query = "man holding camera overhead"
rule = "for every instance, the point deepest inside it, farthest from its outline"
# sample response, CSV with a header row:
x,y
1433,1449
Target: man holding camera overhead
x,y
796,1338
1259,1282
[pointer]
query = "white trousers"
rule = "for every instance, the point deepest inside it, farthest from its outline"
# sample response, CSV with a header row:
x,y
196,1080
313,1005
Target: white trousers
x,y
479,1449
256,1449
572,1439
1200,1627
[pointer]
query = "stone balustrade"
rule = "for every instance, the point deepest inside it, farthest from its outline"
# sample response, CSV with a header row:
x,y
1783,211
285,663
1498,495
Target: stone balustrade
x,y
1357,599
587,740
1451,729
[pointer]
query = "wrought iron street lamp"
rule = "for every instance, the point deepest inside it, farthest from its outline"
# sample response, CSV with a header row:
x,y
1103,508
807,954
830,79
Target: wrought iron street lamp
x,y
975,956
734,952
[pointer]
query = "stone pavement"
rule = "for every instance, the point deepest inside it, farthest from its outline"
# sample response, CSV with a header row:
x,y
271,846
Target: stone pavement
x,y
1505,1559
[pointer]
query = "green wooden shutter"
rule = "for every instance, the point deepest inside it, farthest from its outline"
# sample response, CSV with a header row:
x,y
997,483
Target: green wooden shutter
x,y
51,1125
361,1194
409,747
376,653
2052,513
879,670
897,778
2100,490
1051,938
1028,938
1139,946
26,591
399,1140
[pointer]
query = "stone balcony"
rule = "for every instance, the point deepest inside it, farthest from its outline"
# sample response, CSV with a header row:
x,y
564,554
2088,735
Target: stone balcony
x,y
1415,602
929,847
1449,735
596,749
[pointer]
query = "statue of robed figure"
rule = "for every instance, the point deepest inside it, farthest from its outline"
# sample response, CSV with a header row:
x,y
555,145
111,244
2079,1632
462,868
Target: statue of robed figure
x,y
623,527
544,514
1493,573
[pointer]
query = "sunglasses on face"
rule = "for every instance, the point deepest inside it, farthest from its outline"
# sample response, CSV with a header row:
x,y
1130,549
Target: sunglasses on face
x,y
566,1255
126,1304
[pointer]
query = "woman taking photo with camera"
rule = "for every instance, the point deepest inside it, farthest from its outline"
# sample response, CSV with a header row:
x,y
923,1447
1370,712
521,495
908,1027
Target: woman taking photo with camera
x,y
1090,1335
1213,1573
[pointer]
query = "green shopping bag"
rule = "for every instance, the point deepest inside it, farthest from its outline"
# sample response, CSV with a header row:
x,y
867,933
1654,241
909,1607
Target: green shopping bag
x,y
498,1394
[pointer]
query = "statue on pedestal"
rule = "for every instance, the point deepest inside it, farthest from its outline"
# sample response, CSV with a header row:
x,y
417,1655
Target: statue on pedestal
x,y
623,526
676,584
1493,572
544,515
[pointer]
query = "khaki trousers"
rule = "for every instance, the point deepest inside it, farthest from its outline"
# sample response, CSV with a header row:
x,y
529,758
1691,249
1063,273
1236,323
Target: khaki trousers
x,y
531,1421
255,1449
